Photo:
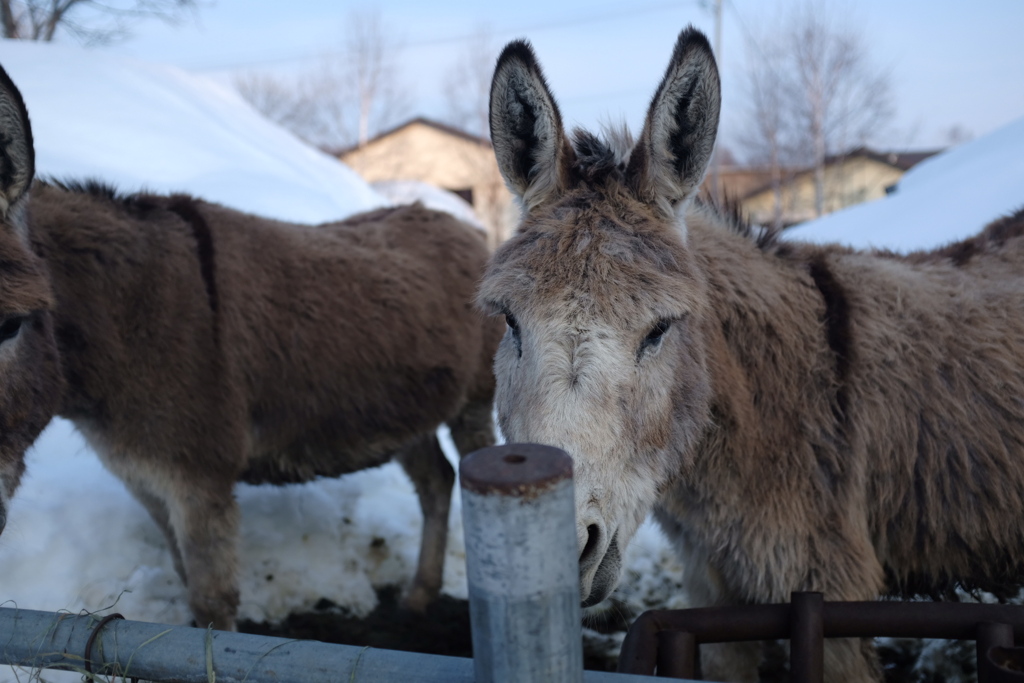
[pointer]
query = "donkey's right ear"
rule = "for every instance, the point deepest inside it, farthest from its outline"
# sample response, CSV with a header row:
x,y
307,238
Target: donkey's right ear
x,y
17,154
526,127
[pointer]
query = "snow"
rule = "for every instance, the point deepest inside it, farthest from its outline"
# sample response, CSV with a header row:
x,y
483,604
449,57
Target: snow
x,y
947,197
77,540
410,191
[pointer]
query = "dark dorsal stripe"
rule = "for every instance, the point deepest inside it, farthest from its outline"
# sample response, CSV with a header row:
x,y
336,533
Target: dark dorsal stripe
x,y
142,204
837,328
186,207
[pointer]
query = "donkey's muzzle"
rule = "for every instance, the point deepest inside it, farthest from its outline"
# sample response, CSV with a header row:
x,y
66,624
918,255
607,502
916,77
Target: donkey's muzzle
x,y
606,577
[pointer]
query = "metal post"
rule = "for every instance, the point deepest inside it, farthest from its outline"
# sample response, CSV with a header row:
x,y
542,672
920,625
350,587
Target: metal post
x,y
677,654
807,638
991,635
522,563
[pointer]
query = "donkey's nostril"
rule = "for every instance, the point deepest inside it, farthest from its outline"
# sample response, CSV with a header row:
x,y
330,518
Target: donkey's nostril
x,y
593,538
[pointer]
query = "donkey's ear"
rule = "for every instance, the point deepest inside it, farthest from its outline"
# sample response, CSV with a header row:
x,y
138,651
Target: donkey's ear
x,y
17,155
526,127
673,152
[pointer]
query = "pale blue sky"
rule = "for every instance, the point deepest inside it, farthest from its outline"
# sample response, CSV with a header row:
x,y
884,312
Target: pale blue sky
x,y
952,63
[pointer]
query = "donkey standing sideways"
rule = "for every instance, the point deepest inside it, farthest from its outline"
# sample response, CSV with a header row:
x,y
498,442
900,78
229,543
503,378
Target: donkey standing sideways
x,y
798,417
195,346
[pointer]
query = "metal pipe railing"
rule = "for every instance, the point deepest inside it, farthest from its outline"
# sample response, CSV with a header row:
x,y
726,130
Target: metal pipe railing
x,y
180,654
808,620
174,654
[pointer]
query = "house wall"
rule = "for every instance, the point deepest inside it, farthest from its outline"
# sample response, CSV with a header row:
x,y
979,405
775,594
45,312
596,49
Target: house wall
x,y
431,155
850,182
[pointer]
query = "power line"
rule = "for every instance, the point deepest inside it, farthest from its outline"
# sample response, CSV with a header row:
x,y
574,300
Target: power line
x,y
431,42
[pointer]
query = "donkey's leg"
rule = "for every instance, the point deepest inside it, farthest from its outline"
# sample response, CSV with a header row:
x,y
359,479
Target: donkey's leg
x,y
433,477
205,520
732,662
473,428
157,509
851,660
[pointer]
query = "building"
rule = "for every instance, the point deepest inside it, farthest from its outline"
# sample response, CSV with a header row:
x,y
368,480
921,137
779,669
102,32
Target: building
x,y
858,176
445,157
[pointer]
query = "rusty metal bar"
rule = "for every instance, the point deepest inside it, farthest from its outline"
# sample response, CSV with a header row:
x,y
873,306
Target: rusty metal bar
x,y
1003,665
893,619
990,635
958,621
806,638
522,564
677,655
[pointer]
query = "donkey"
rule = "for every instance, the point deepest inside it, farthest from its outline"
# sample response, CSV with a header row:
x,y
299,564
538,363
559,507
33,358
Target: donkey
x,y
195,346
797,417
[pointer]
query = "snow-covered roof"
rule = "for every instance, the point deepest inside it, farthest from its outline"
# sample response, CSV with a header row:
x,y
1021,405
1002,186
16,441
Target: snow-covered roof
x,y
946,197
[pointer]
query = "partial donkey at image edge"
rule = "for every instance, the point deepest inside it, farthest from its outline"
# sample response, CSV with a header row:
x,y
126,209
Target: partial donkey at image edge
x,y
195,346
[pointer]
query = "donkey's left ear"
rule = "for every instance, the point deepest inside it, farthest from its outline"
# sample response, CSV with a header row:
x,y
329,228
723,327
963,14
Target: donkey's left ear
x,y
17,155
526,128
669,161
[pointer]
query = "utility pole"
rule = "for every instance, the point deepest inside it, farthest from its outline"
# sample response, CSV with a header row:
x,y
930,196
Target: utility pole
x,y
715,191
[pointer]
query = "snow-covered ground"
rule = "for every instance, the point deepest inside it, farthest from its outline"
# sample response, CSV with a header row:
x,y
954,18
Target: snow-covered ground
x,y
947,197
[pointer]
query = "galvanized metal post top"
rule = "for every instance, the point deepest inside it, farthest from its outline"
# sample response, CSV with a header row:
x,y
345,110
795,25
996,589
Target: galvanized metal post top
x,y
518,469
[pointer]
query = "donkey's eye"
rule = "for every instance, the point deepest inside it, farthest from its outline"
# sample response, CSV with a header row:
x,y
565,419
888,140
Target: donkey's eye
x,y
512,323
10,327
513,326
654,337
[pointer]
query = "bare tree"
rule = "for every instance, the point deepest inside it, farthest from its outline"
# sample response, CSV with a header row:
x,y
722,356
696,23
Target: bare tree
x,y
769,129
370,57
467,86
311,104
349,96
958,134
91,21
819,72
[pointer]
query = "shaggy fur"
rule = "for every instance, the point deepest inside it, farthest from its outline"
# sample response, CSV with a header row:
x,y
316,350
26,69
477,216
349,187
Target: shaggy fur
x,y
29,364
797,417
199,346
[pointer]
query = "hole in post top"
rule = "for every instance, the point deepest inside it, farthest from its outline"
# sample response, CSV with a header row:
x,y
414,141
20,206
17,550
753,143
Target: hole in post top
x,y
514,469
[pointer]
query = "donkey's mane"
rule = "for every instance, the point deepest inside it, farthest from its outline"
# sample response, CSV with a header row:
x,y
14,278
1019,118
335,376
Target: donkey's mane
x,y
990,239
602,159
142,204
138,202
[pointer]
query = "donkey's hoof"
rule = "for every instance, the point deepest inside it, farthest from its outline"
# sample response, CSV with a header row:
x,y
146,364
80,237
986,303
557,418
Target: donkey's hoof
x,y
418,599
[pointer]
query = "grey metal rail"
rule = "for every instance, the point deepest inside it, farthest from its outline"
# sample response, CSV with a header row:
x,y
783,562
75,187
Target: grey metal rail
x,y
179,654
